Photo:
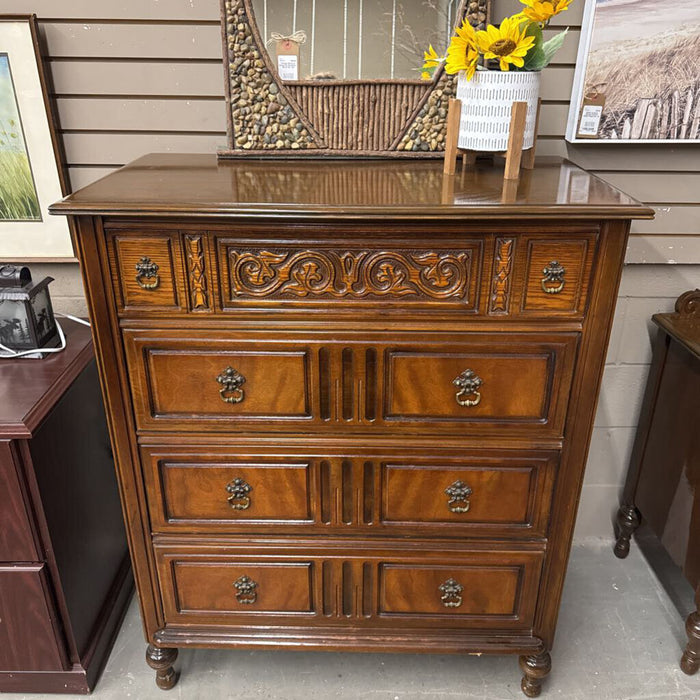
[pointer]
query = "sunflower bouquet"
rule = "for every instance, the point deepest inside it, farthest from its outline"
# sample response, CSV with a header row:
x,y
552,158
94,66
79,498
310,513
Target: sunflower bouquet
x,y
517,43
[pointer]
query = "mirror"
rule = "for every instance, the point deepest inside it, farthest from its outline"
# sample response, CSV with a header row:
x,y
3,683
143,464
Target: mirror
x,y
353,39
328,78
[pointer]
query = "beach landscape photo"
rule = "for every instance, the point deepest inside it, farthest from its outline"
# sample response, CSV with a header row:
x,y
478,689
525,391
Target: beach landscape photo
x,y
644,58
18,197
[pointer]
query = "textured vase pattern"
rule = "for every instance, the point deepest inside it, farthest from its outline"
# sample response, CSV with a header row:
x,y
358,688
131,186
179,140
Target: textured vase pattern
x,y
487,101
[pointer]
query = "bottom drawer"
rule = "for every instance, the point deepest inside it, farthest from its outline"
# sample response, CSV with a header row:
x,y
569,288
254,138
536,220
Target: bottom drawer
x,y
361,583
29,629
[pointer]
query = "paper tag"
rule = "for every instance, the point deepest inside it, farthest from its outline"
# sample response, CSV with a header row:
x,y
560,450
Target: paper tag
x,y
591,114
288,67
590,120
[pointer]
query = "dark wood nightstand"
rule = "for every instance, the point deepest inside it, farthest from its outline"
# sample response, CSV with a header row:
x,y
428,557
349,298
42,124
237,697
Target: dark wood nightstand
x,y
65,577
663,483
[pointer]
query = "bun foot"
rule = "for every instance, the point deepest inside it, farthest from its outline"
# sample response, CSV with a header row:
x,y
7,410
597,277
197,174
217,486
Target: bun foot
x,y
536,669
690,661
161,661
626,523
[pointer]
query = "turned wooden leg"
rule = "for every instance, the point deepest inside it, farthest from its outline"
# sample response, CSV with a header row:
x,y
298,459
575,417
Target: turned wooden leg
x,y
690,661
627,522
536,669
161,661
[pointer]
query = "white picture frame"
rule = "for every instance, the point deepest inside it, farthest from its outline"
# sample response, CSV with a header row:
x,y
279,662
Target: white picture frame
x,y
600,70
31,172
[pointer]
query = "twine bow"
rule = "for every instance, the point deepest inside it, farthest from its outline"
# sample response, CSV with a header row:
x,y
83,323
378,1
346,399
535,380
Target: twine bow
x,y
298,38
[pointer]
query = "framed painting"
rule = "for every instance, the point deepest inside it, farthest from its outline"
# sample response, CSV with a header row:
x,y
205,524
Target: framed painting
x,y
638,73
31,173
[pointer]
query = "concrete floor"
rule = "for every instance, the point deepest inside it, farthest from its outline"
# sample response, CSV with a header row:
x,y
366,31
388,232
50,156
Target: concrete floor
x,y
619,638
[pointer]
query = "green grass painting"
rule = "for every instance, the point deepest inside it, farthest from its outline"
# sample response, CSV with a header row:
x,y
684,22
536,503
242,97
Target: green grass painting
x,y
18,198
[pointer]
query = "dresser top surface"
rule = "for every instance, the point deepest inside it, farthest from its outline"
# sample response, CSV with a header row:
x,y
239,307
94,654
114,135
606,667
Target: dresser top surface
x,y
199,185
30,388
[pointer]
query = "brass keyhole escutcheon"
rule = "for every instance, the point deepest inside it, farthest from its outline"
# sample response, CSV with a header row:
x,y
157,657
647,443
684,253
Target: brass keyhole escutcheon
x,y
451,593
147,276
553,280
459,494
246,590
231,382
468,384
239,490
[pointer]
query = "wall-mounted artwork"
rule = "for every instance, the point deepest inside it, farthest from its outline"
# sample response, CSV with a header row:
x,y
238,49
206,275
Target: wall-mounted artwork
x,y
638,73
31,176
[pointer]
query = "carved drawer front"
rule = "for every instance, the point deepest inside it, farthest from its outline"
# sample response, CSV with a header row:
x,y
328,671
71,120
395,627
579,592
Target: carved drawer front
x,y
246,489
558,274
496,589
146,271
366,273
509,384
183,382
190,489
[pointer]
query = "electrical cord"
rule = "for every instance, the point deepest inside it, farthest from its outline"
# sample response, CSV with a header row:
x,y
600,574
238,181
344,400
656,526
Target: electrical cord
x,y
10,354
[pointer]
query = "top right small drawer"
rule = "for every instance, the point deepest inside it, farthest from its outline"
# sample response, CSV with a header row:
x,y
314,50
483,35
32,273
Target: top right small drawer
x,y
557,274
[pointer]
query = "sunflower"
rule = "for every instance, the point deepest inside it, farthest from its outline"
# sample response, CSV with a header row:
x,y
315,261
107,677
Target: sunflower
x,y
537,11
507,43
431,62
462,53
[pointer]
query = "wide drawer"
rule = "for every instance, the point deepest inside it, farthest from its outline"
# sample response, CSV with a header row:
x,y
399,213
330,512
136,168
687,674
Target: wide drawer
x,y
410,268
236,584
500,383
504,493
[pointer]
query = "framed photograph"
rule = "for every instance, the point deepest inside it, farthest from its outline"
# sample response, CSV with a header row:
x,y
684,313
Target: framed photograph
x,y
638,73
31,170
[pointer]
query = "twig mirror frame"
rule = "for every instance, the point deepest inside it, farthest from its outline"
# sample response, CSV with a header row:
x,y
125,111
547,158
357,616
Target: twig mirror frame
x,y
268,117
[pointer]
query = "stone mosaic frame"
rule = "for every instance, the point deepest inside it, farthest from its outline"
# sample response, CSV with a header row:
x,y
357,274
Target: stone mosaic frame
x,y
269,117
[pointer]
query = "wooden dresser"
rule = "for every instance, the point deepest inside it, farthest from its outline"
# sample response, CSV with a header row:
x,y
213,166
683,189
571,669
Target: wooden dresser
x,y
65,579
663,482
350,401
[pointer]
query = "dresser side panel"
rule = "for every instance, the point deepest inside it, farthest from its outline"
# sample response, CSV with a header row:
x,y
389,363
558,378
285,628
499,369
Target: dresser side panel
x,y
115,391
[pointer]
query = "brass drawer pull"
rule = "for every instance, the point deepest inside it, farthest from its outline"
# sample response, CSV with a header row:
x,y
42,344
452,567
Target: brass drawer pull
x,y
231,382
239,490
246,593
459,494
451,593
147,277
553,275
468,384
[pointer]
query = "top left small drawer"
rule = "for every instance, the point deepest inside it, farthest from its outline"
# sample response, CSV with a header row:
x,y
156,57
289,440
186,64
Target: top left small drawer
x,y
147,272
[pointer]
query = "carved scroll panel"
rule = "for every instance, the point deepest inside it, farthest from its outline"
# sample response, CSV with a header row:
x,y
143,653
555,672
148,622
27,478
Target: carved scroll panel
x,y
369,276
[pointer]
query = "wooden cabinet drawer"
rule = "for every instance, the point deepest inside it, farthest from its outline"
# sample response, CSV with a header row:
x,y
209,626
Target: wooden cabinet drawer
x,y
476,493
532,271
557,274
225,490
239,588
515,383
351,582
197,380
16,527
494,588
509,493
187,382
30,635
146,271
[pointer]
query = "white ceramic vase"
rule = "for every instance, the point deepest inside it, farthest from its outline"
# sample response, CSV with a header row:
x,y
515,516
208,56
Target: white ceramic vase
x,y
486,106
